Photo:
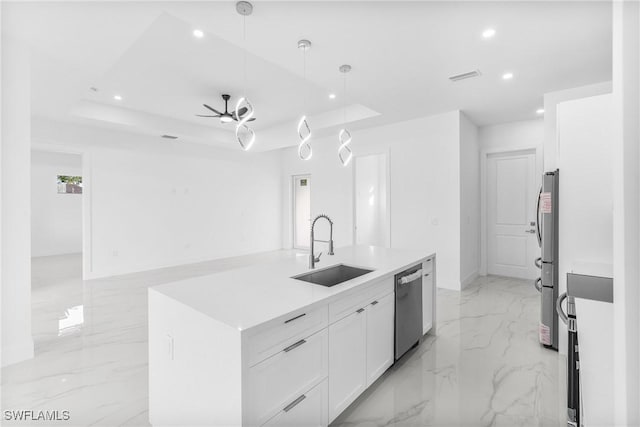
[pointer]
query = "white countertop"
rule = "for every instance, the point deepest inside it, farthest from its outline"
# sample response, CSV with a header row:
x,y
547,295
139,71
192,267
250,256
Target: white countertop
x,y
247,297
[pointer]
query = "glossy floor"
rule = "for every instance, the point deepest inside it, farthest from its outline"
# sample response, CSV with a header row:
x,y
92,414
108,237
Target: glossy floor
x,y
483,367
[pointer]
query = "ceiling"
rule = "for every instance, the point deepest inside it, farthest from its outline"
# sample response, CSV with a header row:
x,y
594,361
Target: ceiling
x,y
402,54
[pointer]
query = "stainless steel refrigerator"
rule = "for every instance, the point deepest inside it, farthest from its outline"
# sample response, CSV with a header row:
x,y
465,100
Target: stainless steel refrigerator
x,y
547,283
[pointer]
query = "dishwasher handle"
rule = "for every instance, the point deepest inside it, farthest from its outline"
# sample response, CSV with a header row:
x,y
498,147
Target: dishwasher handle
x,y
410,277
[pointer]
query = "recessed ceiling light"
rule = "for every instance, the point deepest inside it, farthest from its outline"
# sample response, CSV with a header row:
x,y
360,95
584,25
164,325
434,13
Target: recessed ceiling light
x,y
198,34
332,96
117,97
507,76
488,33
540,111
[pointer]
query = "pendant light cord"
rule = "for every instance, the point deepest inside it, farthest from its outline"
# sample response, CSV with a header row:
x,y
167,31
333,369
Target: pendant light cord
x,y
244,42
304,75
344,101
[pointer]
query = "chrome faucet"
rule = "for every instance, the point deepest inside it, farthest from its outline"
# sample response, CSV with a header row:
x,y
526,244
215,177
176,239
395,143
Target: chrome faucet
x,y
312,258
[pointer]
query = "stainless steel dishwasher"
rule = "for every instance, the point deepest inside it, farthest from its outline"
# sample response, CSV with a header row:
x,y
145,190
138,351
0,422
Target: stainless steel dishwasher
x,y
408,309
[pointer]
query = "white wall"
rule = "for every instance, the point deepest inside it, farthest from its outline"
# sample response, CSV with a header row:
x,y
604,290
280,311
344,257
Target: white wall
x,y
626,234
512,136
469,201
17,343
424,167
551,101
56,219
152,204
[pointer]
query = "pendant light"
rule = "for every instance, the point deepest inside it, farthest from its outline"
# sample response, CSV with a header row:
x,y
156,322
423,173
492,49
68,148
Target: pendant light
x,y
344,136
244,134
304,131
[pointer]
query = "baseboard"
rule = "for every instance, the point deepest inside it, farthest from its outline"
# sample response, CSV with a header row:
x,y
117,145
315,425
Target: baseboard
x,y
469,279
17,353
448,285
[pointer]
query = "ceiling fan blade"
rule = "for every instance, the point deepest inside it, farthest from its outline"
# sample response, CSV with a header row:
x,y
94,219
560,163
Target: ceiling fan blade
x,y
242,111
250,120
202,115
212,109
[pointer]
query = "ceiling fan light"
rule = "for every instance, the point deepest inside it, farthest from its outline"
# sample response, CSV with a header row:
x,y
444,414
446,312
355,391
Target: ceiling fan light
x,y
225,119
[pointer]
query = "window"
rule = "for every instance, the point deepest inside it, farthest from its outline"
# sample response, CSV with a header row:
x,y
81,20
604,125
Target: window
x,y
69,184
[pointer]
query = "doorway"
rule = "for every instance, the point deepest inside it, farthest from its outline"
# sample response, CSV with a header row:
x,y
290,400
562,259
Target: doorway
x,y
301,211
371,201
56,246
511,193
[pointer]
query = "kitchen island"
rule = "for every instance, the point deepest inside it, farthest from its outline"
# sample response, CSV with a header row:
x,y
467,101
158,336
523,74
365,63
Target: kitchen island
x,y
254,346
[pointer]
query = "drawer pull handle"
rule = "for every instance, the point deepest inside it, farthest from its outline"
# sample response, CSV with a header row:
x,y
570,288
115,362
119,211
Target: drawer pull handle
x,y
427,274
293,404
374,303
295,345
294,318
360,310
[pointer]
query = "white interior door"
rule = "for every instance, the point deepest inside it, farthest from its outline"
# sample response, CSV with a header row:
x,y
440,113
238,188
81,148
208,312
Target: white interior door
x,y
301,211
511,215
371,205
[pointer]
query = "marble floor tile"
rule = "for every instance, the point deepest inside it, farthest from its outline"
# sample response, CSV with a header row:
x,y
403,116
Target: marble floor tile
x,y
483,367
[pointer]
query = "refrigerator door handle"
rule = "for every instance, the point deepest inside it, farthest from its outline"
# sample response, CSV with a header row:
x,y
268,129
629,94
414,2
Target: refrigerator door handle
x,y
563,317
538,218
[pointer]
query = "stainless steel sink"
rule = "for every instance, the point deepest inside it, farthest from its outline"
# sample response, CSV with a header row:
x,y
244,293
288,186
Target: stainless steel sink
x,y
333,275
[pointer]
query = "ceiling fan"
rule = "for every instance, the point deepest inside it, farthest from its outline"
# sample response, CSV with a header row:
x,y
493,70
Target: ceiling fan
x,y
226,117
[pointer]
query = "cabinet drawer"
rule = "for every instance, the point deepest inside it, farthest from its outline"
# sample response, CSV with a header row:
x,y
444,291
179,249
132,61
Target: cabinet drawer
x,y
427,266
358,299
276,336
307,410
279,380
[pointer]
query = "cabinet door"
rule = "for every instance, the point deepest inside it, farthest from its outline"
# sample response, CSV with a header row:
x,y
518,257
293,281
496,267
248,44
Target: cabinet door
x,y
427,302
307,410
347,361
380,334
280,379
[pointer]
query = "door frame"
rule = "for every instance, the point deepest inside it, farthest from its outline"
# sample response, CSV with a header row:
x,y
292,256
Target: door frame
x,y
292,223
387,227
484,159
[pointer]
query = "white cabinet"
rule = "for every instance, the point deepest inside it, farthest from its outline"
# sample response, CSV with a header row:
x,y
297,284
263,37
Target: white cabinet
x,y
428,294
347,361
380,335
360,349
278,380
307,410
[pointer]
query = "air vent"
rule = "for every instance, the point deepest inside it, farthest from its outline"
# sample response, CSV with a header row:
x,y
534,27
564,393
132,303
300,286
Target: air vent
x,y
470,74
169,137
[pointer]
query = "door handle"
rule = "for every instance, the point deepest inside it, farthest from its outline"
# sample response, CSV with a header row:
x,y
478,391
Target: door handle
x,y
294,318
538,284
294,345
560,311
538,233
538,262
530,231
291,405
